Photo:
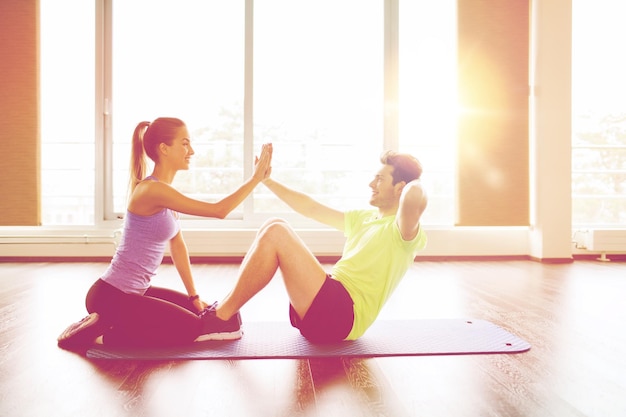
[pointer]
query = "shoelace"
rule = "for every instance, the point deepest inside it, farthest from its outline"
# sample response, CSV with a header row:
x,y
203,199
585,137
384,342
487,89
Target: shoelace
x,y
212,307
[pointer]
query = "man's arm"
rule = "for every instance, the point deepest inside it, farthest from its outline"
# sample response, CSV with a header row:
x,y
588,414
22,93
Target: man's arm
x,y
413,202
306,205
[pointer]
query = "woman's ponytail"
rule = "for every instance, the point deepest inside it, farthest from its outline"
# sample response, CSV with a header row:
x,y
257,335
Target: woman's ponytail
x,y
138,156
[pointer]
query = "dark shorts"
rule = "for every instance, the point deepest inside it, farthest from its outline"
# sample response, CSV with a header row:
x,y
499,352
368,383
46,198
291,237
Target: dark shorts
x,y
330,317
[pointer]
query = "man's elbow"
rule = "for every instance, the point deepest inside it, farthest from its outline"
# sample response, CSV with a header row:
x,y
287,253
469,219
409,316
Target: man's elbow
x,y
415,197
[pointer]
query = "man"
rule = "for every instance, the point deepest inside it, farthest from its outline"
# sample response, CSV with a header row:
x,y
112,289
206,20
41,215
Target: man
x,y
380,246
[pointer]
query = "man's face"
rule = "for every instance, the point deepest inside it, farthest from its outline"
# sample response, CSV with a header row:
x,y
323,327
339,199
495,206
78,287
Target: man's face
x,y
384,194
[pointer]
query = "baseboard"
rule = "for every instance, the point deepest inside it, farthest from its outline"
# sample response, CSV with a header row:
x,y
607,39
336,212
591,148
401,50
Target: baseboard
x,y
552,260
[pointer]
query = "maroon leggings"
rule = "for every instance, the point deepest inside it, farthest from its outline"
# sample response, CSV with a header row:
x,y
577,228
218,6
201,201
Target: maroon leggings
x,y
160,317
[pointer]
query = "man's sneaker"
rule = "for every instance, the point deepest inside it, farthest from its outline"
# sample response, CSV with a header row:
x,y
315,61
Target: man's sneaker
x,y
214,328
81,334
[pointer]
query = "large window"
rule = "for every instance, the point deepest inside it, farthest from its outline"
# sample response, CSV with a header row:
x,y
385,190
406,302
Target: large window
x,y
308,76
598,114
318,96
428,99
67,115
180,59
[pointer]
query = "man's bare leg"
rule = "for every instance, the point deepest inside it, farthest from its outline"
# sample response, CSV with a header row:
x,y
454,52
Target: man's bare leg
x,y
276,246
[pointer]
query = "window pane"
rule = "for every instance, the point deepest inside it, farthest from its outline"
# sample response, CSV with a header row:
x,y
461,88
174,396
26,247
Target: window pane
x,y
428,98
181,59
598,114
318,97
67,112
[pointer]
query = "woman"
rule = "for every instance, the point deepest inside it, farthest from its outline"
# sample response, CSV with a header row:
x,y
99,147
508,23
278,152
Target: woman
x,y
123,306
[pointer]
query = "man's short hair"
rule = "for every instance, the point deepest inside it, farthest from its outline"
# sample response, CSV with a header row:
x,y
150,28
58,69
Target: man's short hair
x,y
405,167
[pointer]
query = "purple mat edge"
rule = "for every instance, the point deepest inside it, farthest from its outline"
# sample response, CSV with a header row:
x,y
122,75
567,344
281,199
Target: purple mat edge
x,y
386,338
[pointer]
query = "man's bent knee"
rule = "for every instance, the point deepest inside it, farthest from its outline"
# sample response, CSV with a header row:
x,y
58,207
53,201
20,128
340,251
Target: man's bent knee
x,y
276,231
270,222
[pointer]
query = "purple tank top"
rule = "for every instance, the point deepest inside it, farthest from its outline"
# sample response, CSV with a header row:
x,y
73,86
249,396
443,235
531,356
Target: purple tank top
x,y
141,250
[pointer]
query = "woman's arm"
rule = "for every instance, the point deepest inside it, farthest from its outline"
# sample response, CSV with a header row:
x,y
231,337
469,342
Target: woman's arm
x,y
153,196
180,257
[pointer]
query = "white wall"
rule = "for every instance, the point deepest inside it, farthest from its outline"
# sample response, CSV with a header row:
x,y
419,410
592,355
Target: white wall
x,y
550,130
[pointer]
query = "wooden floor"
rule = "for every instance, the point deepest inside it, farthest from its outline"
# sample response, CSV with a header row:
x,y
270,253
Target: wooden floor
x,y
574,315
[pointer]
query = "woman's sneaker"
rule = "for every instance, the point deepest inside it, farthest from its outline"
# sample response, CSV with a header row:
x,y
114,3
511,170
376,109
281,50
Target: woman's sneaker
x,y
81,334
214,328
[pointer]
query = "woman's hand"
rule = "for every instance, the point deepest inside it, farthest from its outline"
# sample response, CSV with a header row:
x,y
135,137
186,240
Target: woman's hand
x,y
199,305
263,163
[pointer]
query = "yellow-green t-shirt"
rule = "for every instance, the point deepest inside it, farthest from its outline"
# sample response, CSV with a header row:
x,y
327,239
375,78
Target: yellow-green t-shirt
x,y
374,260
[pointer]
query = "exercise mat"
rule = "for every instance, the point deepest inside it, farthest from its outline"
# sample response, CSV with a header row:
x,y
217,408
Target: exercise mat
x,y
278,340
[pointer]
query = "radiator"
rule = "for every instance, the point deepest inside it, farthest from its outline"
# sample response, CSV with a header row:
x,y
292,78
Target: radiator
x,y
606,240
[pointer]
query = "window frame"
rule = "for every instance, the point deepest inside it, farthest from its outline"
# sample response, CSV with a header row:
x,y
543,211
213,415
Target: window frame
x,y
247,218
588,110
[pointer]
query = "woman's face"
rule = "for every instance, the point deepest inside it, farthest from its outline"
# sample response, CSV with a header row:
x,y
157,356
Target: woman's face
x,y
179,153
